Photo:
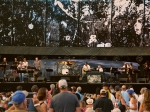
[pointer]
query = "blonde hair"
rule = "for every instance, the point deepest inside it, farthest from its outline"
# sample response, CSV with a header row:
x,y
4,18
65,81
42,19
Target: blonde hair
x,y
120,95
82,104
146,101
142,90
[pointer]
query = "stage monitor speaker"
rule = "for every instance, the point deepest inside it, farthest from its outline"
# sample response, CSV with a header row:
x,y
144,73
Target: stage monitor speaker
x,y
142,80
13,79
41,79
94,78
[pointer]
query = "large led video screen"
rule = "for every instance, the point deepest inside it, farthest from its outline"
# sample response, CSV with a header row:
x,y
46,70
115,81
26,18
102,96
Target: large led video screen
x,y
75,23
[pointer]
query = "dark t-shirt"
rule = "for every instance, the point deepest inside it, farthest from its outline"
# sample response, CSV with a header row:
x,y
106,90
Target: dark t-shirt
x,y
64,102
104,103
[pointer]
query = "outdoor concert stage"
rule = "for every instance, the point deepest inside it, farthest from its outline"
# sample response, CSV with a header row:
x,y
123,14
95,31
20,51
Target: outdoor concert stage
x,y
86,87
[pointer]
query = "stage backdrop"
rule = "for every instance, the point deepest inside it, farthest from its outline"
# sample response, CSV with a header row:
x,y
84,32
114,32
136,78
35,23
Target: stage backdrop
x,y
75,23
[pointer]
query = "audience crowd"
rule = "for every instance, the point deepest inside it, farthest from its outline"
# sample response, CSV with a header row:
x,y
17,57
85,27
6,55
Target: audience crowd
x,y
62,98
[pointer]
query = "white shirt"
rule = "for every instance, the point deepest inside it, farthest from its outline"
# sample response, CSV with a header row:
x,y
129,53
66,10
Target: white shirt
x,y
100,69
86,67
141,98
25,64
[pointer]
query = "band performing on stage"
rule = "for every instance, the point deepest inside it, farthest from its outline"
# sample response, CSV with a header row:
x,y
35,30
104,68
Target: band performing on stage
x,y
23,69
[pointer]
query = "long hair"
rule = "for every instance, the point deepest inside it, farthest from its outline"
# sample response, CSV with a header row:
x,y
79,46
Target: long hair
x,y
146,101
120,95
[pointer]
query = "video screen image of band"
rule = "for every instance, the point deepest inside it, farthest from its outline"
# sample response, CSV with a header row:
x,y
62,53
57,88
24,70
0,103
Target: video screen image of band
x,y
75,23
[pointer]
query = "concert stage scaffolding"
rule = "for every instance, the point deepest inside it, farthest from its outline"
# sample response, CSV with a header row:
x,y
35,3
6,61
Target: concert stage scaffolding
x,y
86,87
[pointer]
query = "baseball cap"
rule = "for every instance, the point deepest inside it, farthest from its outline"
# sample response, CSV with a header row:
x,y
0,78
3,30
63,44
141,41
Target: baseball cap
x,y
103,91
62,84
130,91
89,101
18,97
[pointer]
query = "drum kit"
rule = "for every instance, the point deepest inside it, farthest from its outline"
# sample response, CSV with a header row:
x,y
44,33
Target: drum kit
x,y
67,69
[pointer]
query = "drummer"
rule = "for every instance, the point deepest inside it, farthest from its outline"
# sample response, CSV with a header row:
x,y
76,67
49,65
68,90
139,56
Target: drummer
x,y
69,62
65,69
65,66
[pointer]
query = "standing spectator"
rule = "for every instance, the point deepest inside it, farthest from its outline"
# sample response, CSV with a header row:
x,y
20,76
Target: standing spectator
x,y
141,96
18,100
42,96
83,105
52,87
103,102
121,101
133,104
145,106
73,89
64,101
125,94
89,107
19,88
34,90
79,92
109,95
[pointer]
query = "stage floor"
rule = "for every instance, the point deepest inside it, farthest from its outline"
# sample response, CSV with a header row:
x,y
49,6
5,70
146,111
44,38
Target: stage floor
x,y
86,87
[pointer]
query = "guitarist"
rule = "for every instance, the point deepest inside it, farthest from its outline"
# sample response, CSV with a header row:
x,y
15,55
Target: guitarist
x,y
86,67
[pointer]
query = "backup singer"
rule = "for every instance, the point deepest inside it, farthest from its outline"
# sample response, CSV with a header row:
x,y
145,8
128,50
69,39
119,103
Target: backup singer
x,y
25,63
21,67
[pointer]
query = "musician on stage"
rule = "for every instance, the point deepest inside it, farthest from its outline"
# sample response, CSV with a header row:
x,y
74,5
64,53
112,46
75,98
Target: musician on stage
x,y
86,67
25,63
15,62
21,67
4,63
132,77
37,63
100,69
126,68
147,70
65,66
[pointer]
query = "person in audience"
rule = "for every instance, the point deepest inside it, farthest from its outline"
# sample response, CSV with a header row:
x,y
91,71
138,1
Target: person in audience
x,y
141,96
89,106
64,100
109,95
120,100
73,89
79,92
145,105
125,94
52,87
42,95
103,102
31,95
111,89
18,100
136,96
116,110
133,103
19,88
82,105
